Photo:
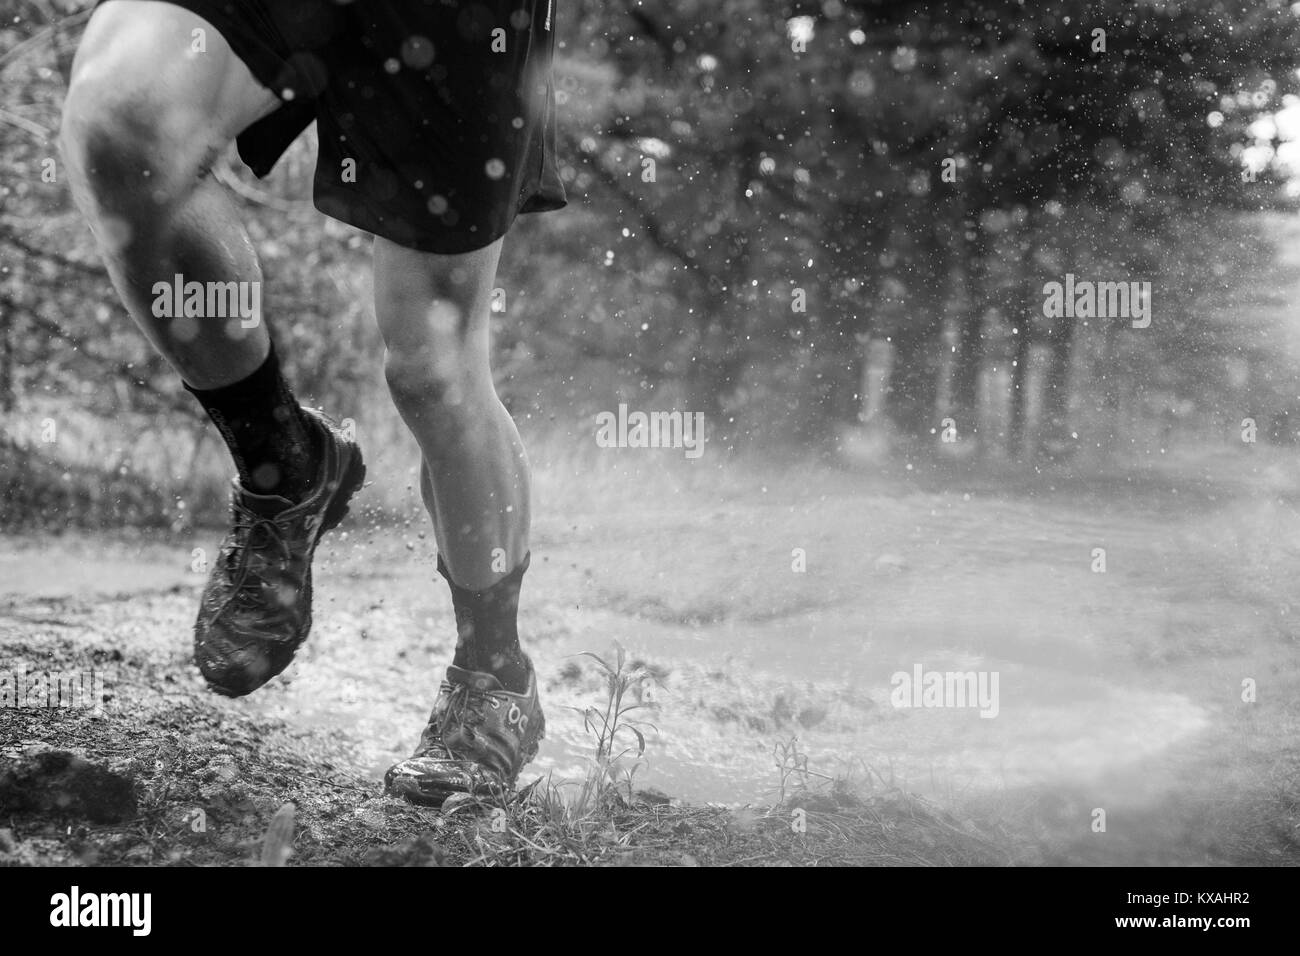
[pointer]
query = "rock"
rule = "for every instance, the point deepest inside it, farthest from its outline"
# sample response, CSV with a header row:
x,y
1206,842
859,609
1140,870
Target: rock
x,y
417,851
59,782
653,797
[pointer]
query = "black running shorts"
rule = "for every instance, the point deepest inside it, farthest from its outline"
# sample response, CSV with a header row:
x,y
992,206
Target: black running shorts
x,y
436,118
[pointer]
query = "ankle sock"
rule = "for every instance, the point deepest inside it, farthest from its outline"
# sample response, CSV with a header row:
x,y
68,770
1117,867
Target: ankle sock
x,y
487,638
276,447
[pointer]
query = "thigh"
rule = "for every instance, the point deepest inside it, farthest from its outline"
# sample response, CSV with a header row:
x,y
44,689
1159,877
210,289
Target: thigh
x,y
168,71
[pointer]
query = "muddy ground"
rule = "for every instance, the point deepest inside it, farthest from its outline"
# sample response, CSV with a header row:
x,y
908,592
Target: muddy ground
x,y
1122,690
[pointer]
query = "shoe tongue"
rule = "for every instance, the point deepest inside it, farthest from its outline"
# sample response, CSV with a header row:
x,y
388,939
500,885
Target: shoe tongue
x,y
268,506
479,680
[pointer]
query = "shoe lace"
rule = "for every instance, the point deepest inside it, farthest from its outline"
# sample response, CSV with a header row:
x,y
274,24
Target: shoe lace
x,y
465,708
247,578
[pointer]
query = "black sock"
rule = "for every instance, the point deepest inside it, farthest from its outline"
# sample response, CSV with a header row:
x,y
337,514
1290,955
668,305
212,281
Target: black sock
x,y
486,634
275,446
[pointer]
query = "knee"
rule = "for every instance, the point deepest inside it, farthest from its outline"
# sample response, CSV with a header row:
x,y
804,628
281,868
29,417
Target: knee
x,y
115,146
438,386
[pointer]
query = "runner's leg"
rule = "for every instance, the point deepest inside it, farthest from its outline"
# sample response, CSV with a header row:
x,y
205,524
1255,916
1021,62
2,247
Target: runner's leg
x,y
433,311
145,118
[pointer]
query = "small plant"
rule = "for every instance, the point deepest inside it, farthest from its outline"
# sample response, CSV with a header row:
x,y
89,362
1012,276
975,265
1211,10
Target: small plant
x,y
611,727
791,762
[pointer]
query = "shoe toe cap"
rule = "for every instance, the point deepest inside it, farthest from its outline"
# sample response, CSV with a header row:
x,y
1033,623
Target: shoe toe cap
x,y
233,667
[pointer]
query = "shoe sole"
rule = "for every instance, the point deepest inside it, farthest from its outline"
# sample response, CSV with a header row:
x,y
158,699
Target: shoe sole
x,y
338,507
340,502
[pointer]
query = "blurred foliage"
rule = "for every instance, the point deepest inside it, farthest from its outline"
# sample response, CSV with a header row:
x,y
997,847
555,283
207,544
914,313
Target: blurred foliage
x,y
729,160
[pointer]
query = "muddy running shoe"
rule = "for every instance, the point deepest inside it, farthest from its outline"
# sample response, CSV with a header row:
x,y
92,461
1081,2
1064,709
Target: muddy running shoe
x,y
479,737
256,608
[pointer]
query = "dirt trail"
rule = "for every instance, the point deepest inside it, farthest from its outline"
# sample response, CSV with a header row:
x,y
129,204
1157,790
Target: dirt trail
x,y
1117,690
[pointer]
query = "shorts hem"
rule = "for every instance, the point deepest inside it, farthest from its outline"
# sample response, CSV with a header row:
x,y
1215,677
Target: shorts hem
x,y
450,244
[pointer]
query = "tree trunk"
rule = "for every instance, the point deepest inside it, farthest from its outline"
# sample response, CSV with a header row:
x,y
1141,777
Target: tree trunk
x,y
1106,377
969,359
8,319
1019,387
914,383
849,330
913,392
1057,441
1023,316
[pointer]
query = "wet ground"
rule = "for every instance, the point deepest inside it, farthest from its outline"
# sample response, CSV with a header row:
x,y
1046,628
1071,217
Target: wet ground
x,y
781,611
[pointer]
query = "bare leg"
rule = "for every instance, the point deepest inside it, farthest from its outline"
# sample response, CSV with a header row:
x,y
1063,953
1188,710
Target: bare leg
x,y
144,120
433,312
